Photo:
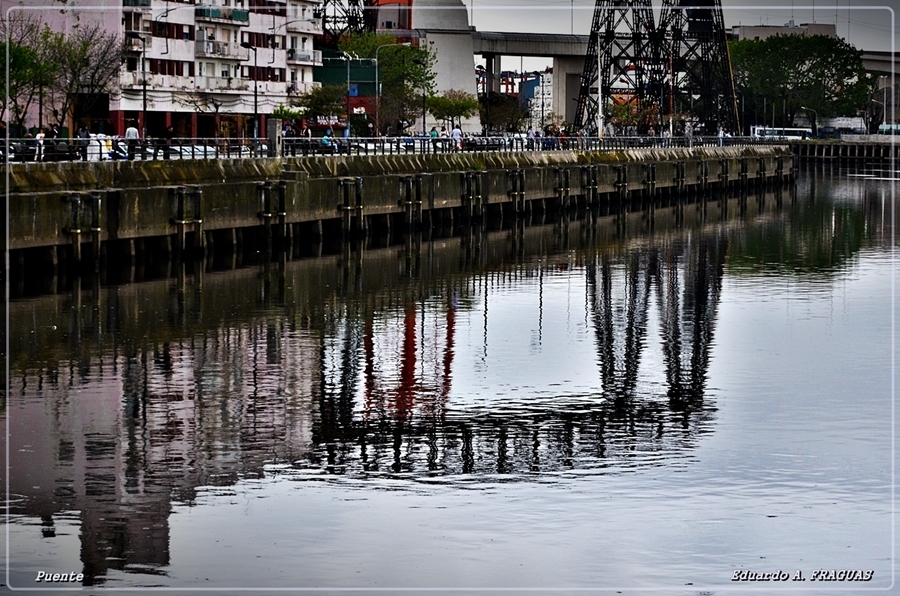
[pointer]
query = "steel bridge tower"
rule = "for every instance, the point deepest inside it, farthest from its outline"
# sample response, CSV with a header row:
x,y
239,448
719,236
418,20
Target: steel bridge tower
x,y
619,54
699,80
678,70
345,17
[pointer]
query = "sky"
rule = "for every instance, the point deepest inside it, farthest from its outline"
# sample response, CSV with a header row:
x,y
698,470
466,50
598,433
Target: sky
x,y
867,25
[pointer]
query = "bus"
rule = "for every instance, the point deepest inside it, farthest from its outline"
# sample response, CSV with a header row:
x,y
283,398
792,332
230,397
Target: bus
x,y
780,132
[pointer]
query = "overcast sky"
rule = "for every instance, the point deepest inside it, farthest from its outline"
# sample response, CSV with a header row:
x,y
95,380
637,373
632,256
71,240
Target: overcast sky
x,y
867,25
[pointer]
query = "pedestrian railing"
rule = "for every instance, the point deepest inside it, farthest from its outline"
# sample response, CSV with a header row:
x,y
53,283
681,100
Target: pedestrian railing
x,y
103,148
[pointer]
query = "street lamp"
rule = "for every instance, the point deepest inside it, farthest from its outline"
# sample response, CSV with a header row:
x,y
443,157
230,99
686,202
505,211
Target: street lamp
x,y
135,35
346,57
883,112
815,120
378,83
422,64
247,45
764,109
743,103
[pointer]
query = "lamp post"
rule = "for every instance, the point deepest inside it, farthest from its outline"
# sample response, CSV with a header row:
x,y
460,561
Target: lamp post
x,y
883,112
247,45
347,57
422,64
378,83
741,124
135,35
815,120
764,109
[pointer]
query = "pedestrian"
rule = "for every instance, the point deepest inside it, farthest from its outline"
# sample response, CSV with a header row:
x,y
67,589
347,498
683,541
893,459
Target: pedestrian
x,y
290,142
39,145
433,133
165,143
456,136
131,138
721,136
328,141
305,138
689,134
84,139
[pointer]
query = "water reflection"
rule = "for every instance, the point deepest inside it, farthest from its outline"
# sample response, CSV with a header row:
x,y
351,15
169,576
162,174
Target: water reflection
x,y
417,362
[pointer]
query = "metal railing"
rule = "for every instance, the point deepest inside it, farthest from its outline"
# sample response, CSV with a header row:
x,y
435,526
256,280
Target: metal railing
x,y
102,148
293,146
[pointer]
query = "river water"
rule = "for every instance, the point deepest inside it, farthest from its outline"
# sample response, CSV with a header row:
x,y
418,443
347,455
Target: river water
x,y
569,406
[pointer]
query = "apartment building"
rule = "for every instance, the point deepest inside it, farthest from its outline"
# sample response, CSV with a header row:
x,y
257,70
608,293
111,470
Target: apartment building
x,y
205,67
212,66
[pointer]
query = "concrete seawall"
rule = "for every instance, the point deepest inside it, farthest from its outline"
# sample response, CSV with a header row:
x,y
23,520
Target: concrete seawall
x,y
190,203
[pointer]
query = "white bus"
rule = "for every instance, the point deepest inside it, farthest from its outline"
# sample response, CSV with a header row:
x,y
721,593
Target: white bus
x,y
791,134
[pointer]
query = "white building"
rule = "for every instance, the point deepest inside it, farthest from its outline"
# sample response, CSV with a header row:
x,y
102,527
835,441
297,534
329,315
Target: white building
x,y
540,105
210,66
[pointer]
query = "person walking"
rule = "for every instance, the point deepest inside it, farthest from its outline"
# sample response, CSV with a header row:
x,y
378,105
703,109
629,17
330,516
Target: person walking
x,y
131,138
456,137
165,143
39,145
84,139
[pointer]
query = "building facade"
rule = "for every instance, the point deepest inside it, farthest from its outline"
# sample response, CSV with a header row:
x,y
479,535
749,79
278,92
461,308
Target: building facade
x,y
208,68
213,69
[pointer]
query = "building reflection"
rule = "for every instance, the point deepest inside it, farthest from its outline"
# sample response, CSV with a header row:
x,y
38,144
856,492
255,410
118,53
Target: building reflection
x,y
127,399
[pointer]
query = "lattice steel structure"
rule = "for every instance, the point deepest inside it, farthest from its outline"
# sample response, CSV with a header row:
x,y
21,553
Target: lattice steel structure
x,y
345,17
621,47
679,69
699,81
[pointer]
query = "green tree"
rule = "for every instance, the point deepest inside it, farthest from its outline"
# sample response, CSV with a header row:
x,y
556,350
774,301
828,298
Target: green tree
x,y
89,60
326,101
786,73
30,69
454,105
403,73
500,112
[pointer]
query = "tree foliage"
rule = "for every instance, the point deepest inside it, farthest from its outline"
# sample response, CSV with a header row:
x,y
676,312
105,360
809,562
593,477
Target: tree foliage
x,y
454,105
89,59
501,113
69,70
30,67
791,72
326,101
403,73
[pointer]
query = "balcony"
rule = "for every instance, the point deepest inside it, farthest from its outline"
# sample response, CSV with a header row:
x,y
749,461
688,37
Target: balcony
x,y
220,49
156,81
223,84
134,45
136,3
310,26
309,57
298,88
224,15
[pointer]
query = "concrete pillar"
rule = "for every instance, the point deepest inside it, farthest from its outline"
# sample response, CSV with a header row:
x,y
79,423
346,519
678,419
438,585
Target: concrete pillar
x,y
492,70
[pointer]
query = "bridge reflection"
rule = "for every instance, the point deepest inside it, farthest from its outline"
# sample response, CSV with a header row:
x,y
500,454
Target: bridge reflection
x,y
125,399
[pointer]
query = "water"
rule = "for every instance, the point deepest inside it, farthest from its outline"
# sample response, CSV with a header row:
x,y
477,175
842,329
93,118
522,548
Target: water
x,y
564,407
